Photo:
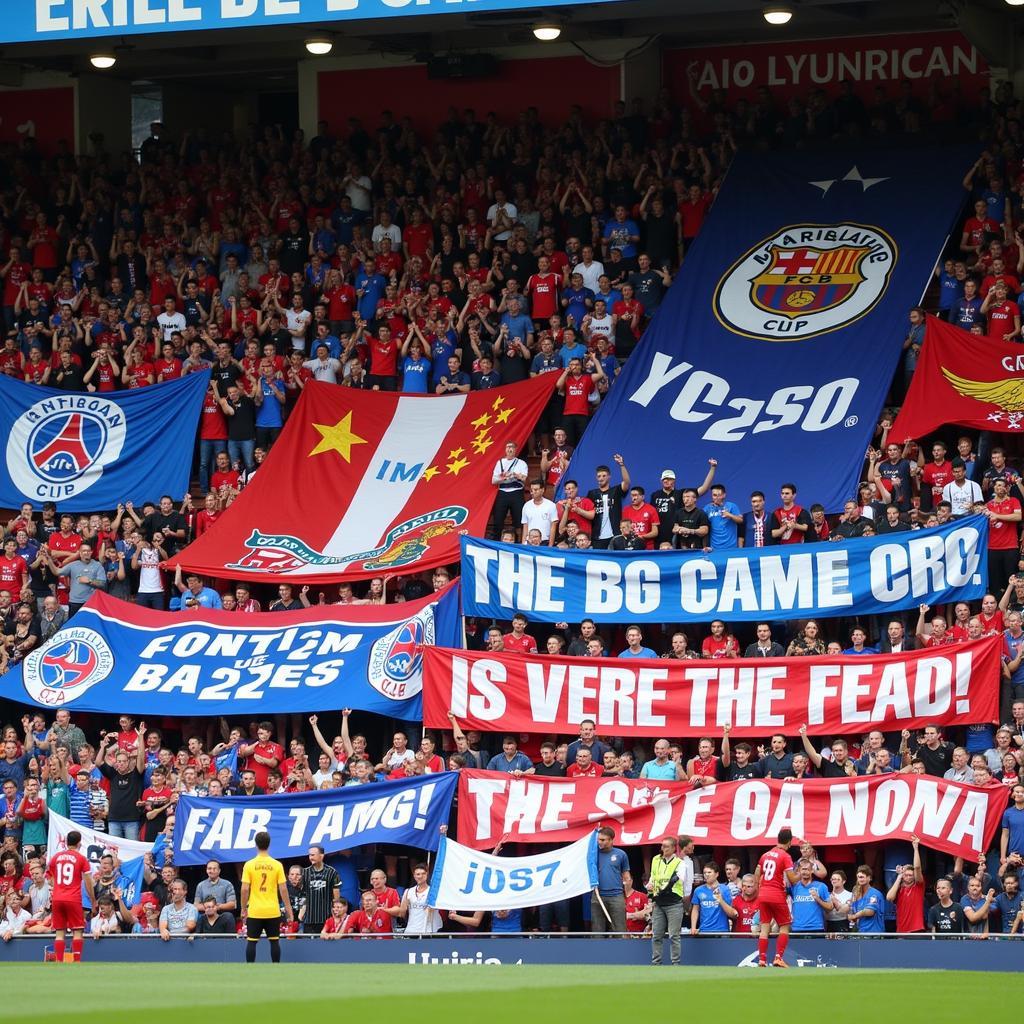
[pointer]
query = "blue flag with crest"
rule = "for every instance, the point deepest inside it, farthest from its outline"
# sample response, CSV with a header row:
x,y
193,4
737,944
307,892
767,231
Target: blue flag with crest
x,y
774,348
88,451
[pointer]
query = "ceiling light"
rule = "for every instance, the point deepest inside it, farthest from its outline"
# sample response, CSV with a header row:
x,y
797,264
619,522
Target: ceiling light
x,y
102,61
779,15
547,32
319,46
1015,3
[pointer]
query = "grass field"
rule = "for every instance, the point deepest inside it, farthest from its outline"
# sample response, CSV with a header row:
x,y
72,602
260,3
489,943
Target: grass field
x,y
496,994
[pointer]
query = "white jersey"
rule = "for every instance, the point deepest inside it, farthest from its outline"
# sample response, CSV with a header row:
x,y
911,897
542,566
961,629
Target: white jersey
x,y
422,920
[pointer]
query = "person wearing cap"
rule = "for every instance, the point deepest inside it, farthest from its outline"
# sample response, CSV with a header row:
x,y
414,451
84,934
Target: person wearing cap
x,y
668,500
960,492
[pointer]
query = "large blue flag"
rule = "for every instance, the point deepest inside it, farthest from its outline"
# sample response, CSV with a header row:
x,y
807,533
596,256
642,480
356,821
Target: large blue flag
x,y
774,348
863,576
118,658
88,451
409,812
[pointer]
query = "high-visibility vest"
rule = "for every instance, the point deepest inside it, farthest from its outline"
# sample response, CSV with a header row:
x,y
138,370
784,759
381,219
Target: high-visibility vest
x,y
661,871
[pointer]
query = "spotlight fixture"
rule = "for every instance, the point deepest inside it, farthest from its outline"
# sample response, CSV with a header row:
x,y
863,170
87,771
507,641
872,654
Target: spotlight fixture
x,y
548,31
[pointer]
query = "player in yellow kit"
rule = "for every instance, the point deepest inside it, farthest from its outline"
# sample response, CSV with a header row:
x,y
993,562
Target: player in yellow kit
x,y
264,892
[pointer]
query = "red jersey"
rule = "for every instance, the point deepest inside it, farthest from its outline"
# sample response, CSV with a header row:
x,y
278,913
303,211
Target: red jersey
x,y
271,749
976,230
577,394
383,358
747,910
936,477
592,771
1001,317
713,647
635,902
340,302
524,644
205,519
17,275
1002,535
692,214
910,908
990,624
789,515
635,312
644,519
212,426
332,926
139,376
387,898
543,290
585,525
774,864
362,923
13,571
167,369
66,869
418,239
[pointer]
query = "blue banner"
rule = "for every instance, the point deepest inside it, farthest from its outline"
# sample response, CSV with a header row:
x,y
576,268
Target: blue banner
x,y
865,576
409,812
774,348
92,451
118,658
27,21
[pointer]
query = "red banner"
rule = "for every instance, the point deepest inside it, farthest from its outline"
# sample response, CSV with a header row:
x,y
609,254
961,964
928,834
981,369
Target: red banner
x,y
368,483
953,685
924,59
965,379
961,820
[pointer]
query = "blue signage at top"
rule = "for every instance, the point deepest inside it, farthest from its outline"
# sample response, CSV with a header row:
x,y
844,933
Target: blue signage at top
x,y
28,21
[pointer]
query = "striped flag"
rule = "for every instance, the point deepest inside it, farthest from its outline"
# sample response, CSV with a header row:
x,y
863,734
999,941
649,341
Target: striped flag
x,y
364,483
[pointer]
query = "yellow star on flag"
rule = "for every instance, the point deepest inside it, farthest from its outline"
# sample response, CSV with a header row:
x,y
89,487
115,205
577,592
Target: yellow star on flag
x,y
482,434
481,444
504,415
337,438
455,453
498,402
482,421
429,474
456,467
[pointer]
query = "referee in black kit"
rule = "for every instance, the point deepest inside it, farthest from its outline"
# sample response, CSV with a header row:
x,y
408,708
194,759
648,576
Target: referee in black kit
x,y
321,885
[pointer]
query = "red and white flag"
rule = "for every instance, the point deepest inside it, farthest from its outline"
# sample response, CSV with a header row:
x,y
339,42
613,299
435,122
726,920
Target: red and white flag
x,y
362,483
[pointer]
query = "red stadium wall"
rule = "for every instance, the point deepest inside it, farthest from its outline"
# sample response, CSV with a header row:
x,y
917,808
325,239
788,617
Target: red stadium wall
x,y
50,111
926,59
551,85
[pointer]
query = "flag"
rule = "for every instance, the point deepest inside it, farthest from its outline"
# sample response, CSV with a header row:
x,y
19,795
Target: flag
x,y
132,880
90,450
773,350
363,483
464,877
965,379
228,759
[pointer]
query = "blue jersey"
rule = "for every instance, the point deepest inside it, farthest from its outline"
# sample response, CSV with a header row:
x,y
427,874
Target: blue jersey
x,y
808,916
723,530
577,308
712,917
950,290
269,413
966,312
871,900
415,375
1013,819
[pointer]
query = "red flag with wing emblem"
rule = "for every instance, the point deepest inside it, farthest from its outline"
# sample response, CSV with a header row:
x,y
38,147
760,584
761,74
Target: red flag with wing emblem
x,y
364,483
966,379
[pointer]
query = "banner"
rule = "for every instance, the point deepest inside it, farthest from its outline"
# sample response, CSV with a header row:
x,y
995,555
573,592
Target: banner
x,y
130,854
464,879
118,658
862,576
963,378
957,819
94,451
33,21
793,68
805,257
409,812
510,693
362,483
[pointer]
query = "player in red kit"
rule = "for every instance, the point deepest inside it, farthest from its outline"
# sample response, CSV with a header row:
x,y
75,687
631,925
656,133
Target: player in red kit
x,y
67,871
774,870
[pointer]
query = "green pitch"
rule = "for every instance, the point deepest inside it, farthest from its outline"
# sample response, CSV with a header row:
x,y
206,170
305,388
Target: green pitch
x,y
262,994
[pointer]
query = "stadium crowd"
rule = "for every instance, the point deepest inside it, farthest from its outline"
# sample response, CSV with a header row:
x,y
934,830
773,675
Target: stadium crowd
x,y
376,259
